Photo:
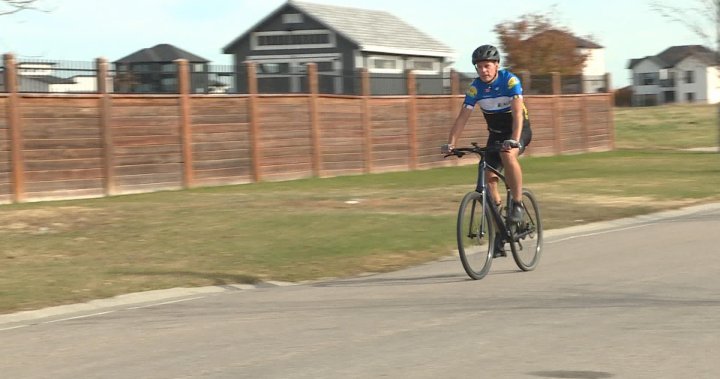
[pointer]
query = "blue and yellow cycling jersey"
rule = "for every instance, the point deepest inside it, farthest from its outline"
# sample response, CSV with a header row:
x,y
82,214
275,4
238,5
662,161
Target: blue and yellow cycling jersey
x,y
494,99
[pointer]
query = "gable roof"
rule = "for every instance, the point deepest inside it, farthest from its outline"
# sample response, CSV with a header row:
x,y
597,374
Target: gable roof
x,y
371,30
580,43
587,44
675,54
635,61
47,79
161,53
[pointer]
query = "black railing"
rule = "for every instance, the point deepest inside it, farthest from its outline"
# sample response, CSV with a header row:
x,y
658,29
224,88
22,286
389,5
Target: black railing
x,y
56,76
47,76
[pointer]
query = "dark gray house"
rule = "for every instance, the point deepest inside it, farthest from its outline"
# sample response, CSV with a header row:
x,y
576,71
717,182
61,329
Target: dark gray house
x,y
339,40
154,70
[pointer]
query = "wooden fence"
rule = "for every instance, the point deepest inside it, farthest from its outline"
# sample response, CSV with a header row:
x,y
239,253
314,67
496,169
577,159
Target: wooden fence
x,y
71,146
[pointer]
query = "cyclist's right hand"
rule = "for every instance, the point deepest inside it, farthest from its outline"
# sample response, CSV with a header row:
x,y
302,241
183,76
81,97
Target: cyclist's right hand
x,y
447,148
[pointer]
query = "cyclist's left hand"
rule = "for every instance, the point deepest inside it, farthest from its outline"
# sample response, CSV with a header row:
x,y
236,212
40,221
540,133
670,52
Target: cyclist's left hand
x,y
510,144
447,148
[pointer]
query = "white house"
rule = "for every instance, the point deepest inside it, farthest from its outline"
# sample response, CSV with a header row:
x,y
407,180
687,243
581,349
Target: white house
x,y
593,72
40,77
679,74
594,69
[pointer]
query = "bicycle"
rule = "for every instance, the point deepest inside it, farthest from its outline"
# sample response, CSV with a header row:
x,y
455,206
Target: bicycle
x,y
480,222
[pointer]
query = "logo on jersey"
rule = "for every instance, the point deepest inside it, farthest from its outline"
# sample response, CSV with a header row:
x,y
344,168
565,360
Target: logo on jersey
x,y
512,82
471,91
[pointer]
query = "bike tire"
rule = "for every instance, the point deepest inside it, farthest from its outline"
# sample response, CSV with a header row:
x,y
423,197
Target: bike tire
x,y
475,235
527,236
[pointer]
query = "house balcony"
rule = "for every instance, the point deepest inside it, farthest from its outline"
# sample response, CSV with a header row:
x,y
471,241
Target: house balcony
x,y
667,83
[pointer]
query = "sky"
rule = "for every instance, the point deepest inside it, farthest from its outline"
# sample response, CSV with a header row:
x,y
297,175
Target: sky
x,y
82,30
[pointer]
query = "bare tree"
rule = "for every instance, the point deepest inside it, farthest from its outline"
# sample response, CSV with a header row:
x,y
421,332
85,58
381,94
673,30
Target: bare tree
x,y
701,17
15,6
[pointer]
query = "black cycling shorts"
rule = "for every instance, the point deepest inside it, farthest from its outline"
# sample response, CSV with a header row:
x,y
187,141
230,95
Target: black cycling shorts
x,y
493,159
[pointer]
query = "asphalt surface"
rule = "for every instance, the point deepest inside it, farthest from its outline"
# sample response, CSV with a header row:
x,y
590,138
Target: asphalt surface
x,y
632,298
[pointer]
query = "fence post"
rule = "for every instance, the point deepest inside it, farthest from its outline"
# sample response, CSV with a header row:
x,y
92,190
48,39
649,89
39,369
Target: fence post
x,y
412,119
454,89
105,127
366,124
314,124
526,81
253,121
454,82
183,72
556,106
611,112
17,165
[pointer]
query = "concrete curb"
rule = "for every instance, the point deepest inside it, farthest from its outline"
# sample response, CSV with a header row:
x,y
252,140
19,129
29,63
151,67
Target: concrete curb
x,y
156,297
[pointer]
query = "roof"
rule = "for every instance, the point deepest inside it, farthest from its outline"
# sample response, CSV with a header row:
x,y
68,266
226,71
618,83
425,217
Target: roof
x,y
161,53
361,26
47,79
581,43
675,54
586,43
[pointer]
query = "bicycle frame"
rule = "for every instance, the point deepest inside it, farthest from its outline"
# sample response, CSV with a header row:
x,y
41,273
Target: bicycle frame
x,y
488,201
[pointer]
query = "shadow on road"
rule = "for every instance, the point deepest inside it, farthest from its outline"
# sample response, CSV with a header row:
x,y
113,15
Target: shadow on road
x,y
378,280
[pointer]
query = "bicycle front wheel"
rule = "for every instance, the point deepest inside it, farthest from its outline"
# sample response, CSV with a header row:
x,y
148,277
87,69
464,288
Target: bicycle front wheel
x,y
475,235
528,235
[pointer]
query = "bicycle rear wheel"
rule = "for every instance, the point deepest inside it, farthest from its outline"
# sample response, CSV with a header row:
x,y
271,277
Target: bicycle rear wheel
x,y
527,235
475,235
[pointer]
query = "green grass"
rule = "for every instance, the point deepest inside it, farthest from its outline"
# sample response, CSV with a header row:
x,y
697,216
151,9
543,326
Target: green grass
x,y
667,127
68,251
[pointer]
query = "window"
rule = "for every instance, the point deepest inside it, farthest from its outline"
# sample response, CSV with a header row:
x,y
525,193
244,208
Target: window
x,y
168,84
648,79
690,97
268,68
296,39
689,77
292,18
169,67
141,67
423,65
384,64
144,88
198,67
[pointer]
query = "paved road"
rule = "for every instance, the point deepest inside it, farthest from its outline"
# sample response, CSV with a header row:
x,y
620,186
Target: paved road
x,y
633,299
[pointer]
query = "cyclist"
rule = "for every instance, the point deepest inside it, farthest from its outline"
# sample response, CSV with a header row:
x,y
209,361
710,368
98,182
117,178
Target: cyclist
x,y
499,95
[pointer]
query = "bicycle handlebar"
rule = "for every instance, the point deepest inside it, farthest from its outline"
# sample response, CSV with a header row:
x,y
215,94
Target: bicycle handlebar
x,y
461,151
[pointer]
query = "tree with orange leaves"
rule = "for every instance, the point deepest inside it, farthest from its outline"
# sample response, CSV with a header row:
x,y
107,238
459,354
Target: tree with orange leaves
x,y
535,44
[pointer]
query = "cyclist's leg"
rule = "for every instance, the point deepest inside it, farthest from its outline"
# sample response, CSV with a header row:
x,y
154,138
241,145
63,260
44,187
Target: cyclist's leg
x,y
494,160
513,170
